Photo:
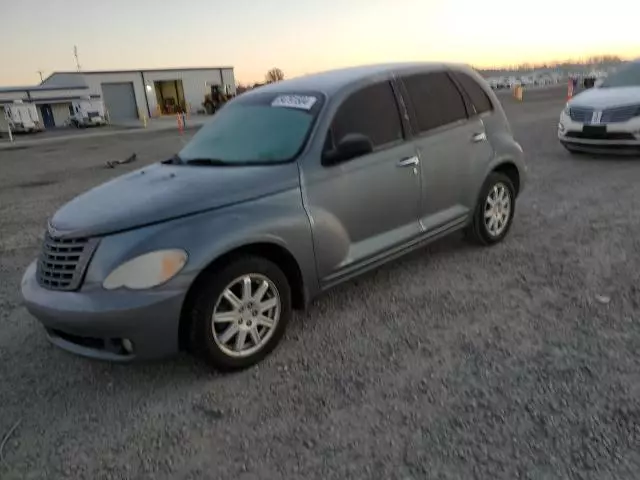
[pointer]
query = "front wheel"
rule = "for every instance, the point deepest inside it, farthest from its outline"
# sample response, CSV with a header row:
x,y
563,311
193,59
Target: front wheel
x,y
240,313
494,211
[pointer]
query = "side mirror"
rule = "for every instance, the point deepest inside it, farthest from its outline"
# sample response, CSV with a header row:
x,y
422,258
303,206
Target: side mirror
x,y
351,146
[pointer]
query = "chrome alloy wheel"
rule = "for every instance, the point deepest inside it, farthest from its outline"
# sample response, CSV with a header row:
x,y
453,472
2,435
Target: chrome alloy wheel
x,y
246,315
497,209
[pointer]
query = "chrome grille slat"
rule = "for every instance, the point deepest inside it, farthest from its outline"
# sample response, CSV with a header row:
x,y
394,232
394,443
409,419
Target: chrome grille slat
x,y
609,115
62,263
620,114
581,115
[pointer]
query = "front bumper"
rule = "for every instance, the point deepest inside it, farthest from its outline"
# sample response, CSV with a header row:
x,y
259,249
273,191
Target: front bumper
x,y
619,137
94,324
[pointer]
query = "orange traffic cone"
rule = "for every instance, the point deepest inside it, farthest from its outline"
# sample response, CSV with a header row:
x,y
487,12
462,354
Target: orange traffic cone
x,y
570,90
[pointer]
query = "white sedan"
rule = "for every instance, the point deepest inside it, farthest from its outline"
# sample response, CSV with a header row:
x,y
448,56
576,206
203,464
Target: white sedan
x,y
607,118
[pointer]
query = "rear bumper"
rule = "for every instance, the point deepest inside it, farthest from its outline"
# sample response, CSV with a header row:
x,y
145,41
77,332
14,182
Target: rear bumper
x,y
94,324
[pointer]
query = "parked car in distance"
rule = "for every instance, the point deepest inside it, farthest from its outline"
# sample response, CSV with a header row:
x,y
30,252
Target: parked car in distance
x,y
22,117
605,118
87,112
289,190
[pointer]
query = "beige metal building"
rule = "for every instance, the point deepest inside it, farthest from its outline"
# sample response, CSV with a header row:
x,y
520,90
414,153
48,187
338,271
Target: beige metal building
x,y
131,94
128,95
53,102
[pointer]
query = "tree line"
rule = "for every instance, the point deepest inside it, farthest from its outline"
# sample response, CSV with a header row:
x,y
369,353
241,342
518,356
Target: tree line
x,y
596,61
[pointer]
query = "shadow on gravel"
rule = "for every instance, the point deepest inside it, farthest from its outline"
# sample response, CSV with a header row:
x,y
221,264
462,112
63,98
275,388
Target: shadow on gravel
x,y
341,296
35,183
610,158
16,147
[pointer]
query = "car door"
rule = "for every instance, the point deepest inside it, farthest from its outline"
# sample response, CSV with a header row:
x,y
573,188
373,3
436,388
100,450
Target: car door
x,y
366,208
448,141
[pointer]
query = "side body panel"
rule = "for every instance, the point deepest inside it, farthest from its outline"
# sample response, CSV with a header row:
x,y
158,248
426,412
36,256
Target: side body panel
x,y
360,210
278,219
449,156
506,150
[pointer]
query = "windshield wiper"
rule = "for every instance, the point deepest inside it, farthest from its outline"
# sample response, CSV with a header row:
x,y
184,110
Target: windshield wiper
x,y
174,160
177,160
207,162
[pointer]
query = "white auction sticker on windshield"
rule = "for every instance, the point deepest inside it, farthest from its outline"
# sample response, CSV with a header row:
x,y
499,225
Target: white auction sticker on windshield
x,y
303,102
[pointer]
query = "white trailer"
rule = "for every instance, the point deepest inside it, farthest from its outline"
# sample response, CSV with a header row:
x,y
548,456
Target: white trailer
x,y
87,112
22,117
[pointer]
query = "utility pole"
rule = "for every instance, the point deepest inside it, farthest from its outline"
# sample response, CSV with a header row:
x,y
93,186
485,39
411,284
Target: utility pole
x,y
75,54
41,78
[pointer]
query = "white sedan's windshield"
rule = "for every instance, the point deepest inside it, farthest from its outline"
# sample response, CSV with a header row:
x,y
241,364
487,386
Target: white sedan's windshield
x,y
627,76
253,131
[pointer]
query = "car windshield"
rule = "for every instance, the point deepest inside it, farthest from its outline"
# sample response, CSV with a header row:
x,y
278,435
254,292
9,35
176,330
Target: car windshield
x,y
627,76
257,129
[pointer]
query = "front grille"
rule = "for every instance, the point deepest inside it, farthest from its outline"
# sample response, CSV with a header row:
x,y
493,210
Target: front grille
x,y
63,262
620,114
602,136
609,115
581,115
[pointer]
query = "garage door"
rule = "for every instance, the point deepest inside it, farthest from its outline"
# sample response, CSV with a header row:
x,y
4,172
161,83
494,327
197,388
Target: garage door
x,y
120,101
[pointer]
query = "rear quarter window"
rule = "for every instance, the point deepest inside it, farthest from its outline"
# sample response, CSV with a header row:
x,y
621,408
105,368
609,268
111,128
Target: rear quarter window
x,y
475,92
436,100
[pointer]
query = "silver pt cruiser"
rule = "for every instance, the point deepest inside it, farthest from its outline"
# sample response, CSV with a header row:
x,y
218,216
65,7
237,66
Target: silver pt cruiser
x,y
289,190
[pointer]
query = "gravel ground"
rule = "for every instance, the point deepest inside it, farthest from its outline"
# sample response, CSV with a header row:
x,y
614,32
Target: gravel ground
x,y
518,361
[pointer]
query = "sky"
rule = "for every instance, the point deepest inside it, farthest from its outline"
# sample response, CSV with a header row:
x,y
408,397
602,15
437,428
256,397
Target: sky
x,y
304,36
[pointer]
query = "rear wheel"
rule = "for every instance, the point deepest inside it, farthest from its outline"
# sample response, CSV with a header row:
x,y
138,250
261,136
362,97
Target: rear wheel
x,y
240,313
494,211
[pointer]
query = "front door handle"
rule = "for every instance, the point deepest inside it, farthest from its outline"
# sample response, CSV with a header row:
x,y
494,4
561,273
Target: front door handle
x,y
409,162
478,137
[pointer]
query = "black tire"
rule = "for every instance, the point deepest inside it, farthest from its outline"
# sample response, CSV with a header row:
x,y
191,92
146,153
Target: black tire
x,y
478,231
202,340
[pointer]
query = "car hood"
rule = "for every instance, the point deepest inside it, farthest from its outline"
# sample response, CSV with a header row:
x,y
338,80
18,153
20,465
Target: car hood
x,y
607,97
161,192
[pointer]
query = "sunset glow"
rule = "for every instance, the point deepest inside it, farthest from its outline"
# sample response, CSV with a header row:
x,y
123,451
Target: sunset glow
x,y
304,36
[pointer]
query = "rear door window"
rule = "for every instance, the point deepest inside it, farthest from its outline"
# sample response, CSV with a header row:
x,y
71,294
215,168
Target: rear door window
x,y
476,93
435,99
371,111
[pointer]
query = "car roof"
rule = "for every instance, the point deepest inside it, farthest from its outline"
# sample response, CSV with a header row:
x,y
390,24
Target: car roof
x,y
332,81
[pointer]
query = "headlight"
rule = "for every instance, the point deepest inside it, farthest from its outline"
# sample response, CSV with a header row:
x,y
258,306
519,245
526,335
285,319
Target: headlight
x,y
147,271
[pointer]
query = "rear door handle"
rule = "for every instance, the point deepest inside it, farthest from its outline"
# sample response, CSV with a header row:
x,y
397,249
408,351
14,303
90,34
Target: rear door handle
x,y
478,137
409,162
